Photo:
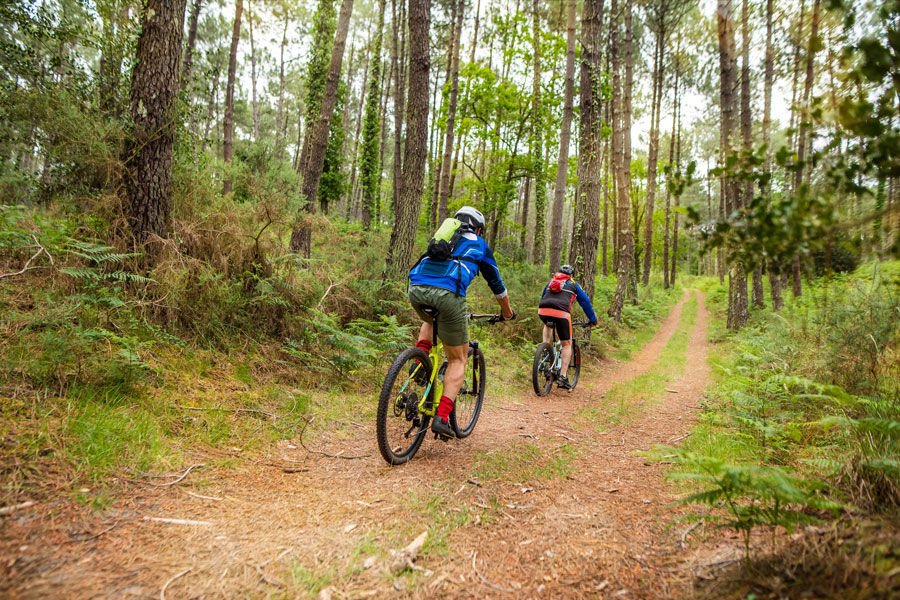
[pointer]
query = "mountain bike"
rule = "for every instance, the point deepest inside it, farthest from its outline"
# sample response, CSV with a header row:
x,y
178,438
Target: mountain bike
x,y
413,388
548,360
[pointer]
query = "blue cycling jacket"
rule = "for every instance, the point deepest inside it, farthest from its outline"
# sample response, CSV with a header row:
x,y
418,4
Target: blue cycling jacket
x,y
448,273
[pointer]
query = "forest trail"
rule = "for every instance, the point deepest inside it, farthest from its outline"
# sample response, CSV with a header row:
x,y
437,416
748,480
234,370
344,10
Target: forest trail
x,y
592,523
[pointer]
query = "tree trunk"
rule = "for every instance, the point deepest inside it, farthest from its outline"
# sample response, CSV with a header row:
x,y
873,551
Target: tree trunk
x,y
370,169
154,91
438,110
537,144
301,237
403,235
386,93
559,194
188,68
279,115
804,131
677,167
656,102
399,101
623,205
587,221
666,239
253,72
451,113
228,147
626,147
351,191
737,282
769,69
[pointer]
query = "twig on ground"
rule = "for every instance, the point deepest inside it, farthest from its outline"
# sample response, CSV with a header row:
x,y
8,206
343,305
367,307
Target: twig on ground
x,y
294,470
308,451
687,531
8,510
562,435
203,497
183,475
671,391
41,250
678,439
177,521
162,592
513,409
493,586
272,416
474,482
528,435
616,445
264,577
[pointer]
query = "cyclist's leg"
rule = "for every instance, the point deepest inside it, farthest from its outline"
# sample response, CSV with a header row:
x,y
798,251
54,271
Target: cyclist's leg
x,y
547,332
564,331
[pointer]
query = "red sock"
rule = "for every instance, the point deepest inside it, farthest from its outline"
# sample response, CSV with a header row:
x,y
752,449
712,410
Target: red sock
x,y
424,345
445,408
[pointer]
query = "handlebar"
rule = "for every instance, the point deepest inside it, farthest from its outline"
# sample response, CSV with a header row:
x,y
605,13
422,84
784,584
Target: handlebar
x,y
582,324
491,319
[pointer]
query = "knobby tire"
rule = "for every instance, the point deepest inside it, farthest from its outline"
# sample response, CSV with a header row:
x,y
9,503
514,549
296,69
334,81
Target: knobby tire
x,y
395,448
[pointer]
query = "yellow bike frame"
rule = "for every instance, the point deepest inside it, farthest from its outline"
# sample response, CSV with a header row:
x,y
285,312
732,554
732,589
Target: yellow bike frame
x,y
438,384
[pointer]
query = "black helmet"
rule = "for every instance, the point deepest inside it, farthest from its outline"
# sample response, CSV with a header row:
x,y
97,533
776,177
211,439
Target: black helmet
x,y
567,269
470,215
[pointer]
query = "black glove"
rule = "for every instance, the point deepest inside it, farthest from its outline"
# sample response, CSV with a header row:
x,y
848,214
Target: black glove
x,y
592,323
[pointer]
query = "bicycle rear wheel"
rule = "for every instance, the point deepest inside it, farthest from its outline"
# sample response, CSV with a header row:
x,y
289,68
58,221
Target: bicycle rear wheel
x,y
471,395
400,427
574,365
541,373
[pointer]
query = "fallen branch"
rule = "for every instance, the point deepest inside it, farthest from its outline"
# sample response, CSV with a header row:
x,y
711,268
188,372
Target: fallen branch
x,y
177,521
162,592
687,531
294,470
203,497
183,475
8,510
671,391
678,439
493,586
513,409
272,416
308,451
527,435
41,250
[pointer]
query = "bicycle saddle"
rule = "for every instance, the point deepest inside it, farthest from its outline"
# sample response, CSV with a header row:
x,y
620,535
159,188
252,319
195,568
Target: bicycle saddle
x,y
431,311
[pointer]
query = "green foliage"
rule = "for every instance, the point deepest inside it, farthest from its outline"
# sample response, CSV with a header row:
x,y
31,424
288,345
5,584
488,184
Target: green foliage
x,y
370,160
334,181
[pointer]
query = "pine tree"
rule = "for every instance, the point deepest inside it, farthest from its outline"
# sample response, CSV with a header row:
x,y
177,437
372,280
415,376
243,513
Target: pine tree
x,y
370,165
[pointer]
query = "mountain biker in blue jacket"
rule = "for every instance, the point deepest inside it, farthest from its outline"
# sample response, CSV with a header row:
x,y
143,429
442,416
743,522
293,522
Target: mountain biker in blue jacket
x,y
443,284
555,311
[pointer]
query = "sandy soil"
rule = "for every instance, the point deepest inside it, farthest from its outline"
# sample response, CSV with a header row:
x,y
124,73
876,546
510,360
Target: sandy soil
x,y
603,531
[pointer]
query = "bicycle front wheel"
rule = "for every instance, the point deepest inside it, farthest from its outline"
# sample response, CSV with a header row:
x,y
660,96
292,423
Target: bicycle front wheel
x,y
574,365
471,395
400,427
541,370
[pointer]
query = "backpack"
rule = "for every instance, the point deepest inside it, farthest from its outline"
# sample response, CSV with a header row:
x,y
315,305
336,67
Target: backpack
x,y
443,243
558,282
444,240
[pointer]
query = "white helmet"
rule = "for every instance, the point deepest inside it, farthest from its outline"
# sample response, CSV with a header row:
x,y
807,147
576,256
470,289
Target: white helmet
x,y
470,215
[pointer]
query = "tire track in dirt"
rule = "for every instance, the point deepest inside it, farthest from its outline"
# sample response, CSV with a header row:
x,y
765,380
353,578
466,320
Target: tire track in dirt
x,y
271,531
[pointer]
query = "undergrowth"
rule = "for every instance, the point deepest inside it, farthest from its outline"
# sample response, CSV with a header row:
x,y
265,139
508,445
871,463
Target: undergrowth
x,y
804,421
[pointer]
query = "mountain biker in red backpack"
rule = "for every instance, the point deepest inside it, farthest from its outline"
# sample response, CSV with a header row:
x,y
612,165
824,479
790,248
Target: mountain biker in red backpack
x,y
441,282
555,311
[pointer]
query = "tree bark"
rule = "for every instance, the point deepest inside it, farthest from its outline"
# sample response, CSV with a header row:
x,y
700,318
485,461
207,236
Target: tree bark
x,y
279,115
626,145
154,91
451,113
188,69
653,152
666,239
301,237
769,70
559,194
403,235
253,72
537,144
228,146
399,101
586,231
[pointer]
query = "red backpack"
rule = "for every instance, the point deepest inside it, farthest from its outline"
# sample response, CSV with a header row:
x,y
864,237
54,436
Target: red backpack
x,y
559,280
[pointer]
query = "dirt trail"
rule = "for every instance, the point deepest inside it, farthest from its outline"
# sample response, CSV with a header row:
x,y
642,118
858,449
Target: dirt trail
x,y
599,532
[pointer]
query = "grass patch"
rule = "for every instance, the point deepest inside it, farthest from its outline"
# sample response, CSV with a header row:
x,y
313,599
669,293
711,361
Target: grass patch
x,y
623,401
524,462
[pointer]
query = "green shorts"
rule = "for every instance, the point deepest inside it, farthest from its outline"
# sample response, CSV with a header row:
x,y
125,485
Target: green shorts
x,y
453,320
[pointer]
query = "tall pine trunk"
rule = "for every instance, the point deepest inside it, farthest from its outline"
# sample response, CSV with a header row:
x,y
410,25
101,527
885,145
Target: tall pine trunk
x,y
301,237
559,193
370,167
653,158
253,72
279,115
412,181
586,232
769,75
451,113
537,145
154,91
228,144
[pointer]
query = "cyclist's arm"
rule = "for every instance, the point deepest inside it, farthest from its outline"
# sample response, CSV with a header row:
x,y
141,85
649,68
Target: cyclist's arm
x,y
491,274
585,304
